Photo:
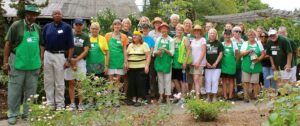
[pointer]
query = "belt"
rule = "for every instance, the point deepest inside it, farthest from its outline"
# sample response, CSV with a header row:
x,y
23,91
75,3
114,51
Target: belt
x,y
57,52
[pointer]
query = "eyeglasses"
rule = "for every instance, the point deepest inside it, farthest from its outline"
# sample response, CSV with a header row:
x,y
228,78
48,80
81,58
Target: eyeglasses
x,y
238,31
263,36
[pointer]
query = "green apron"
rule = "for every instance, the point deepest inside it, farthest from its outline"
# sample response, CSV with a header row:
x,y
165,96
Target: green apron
x,y
95,59
246,63
175,63
116,54
228,65
239,62
28,51
163,63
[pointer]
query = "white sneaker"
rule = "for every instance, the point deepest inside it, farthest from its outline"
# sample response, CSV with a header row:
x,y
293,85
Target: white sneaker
x,y
80,107
72,107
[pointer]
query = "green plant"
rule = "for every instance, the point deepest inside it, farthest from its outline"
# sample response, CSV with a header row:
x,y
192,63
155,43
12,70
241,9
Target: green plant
x,y
206,111
284,109
103,108
105,18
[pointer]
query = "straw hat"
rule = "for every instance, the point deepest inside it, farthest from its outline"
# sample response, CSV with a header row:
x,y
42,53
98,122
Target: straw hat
x,y
164,25
157,19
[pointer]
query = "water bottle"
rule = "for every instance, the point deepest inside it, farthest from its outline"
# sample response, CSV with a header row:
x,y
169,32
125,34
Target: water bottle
x,y
184,76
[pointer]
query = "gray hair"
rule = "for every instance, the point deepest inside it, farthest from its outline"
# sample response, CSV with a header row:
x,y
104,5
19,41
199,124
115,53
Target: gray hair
x,y
174,16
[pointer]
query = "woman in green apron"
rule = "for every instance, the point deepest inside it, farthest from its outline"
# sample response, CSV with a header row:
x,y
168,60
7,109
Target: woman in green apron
x,y
117,44
252,53
228,64
180,60
98,56
164,50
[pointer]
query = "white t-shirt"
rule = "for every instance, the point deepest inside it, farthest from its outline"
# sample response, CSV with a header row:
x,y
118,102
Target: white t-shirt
x,y
196,50
245,46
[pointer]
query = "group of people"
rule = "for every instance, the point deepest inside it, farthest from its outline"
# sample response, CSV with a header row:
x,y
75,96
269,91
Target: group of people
x,y
171,58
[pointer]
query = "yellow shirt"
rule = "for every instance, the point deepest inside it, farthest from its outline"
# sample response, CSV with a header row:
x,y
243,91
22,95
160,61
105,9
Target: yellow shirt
x,y
102,42
137,55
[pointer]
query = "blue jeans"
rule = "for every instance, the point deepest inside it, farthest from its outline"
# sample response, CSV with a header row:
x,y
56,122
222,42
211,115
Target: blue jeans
x,y
267,71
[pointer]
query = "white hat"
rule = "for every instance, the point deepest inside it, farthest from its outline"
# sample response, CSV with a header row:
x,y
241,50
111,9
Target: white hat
x,y
272,31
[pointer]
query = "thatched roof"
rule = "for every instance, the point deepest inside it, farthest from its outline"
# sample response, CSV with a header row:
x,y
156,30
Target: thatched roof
x,y
81,8
252,15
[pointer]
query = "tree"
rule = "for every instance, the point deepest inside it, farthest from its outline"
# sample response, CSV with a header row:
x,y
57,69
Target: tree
x,y
20,6
248,5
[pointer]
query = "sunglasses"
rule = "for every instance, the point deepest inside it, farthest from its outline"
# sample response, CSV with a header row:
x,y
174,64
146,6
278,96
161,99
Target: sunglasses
x,y
78,24
263,36
238,31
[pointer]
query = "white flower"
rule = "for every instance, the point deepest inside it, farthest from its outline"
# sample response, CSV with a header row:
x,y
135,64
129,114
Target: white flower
x,y
45,118
32,119
36,96
39,119
193,91
96,78
232,103
50,117
177,96
30,110
44,103
31,96
28,99
43,98
98,93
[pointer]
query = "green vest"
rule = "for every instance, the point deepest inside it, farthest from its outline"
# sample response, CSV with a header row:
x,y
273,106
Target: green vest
x,y
28,51
228,64
246,63
95,59
116,54
163,63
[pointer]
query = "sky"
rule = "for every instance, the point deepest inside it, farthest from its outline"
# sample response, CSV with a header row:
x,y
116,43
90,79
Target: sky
x,y
289,5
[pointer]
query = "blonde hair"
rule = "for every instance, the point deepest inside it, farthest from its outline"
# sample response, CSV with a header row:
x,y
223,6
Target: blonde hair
x,y
252,31
187,20
144,17
126,20
213,30
95,24
180,26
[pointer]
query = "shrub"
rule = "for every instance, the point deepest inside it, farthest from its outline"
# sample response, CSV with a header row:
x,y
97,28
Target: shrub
x,y
205,111
284,109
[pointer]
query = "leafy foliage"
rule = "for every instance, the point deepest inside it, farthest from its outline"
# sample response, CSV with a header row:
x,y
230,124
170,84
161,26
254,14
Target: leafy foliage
x,y
105,19
275,22
206,111
248,5
20,6
103,98
285,109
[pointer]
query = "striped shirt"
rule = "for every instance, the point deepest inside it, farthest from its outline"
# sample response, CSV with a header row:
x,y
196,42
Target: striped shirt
x,y
137,55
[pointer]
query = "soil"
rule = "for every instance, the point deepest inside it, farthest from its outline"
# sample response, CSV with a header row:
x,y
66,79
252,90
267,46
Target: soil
x,y
241,114
3,102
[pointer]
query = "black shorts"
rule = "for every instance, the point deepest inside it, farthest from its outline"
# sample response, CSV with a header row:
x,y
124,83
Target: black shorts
x,y
177,74
224,75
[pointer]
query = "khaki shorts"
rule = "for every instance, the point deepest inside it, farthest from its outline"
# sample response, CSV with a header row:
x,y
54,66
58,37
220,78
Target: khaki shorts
x,y
199,71
250,77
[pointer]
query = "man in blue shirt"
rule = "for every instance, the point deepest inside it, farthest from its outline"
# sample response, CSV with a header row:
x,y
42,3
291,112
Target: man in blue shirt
x,y
58,41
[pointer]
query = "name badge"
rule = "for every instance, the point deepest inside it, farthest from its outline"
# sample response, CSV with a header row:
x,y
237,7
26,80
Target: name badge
x,y
92,45
274,53
164,45
29,40
81,40
208,45
119,41
227,50
60,31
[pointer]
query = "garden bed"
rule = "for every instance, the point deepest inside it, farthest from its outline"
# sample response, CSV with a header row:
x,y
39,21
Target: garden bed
x,y
3,102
